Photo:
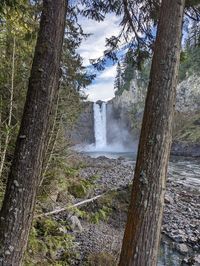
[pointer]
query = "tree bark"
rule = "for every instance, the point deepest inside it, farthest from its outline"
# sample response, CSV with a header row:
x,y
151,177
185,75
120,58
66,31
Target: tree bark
x,y
19,201
142,234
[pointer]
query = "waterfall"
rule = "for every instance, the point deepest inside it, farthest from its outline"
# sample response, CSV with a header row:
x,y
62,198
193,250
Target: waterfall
x,y
100,125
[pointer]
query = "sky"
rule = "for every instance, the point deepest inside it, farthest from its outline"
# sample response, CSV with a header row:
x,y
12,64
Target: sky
x,y
93,47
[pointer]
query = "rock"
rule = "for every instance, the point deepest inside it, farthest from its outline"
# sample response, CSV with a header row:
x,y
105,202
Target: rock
x,y
188,95
179,236
99,102
168,199
83,130
192,261
75,223
54,196
182,248
180,148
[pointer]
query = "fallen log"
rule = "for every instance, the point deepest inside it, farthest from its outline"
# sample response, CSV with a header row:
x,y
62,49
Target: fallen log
x,y
69,207
80,203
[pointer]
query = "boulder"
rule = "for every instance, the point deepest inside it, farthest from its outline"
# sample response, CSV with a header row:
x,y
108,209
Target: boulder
x,y
182,248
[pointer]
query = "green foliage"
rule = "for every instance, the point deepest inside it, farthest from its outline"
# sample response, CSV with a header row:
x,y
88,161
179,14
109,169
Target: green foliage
x,y
1,194
101,259
69,106
143,77
190,62
129,70
49,244
107,200
19,23
131,29
125,73
81,188
138,20
190,129
190,3
18,20
101,215
110,206
107,206
117,200
118,79
94,178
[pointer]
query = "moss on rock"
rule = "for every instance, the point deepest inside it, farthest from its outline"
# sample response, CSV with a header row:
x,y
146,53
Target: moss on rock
x,y
49,244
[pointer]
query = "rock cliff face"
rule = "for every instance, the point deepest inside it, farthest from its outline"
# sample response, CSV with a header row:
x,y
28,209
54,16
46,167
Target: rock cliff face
x,y
83,131
134,95
119,126
187,100
188,95
124,116
129,109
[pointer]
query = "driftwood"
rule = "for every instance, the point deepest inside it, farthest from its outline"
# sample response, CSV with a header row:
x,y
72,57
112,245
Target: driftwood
x,y
81,202
71,206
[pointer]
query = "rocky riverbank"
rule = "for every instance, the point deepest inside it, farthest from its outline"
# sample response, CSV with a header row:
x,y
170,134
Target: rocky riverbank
x,y
185,149
181,213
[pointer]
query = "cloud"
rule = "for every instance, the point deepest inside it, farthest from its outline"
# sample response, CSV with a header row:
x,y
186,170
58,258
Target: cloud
x,y
103,86
108,73
100,91
93,47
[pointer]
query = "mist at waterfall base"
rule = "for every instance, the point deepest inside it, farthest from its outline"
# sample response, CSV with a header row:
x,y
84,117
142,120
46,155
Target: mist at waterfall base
x,y
111,138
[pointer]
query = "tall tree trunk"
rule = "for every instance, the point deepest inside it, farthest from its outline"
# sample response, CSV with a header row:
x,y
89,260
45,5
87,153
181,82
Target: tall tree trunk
x,y
142,234
19,201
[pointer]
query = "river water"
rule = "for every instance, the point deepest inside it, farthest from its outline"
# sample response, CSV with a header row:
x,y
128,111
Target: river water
x,y
185,169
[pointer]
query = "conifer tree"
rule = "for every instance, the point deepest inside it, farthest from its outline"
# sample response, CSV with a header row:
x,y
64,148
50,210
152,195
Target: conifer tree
x,y
118,79
17,211
142,233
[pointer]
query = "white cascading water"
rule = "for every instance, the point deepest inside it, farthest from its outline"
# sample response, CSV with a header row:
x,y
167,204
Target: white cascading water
x,y
100,125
